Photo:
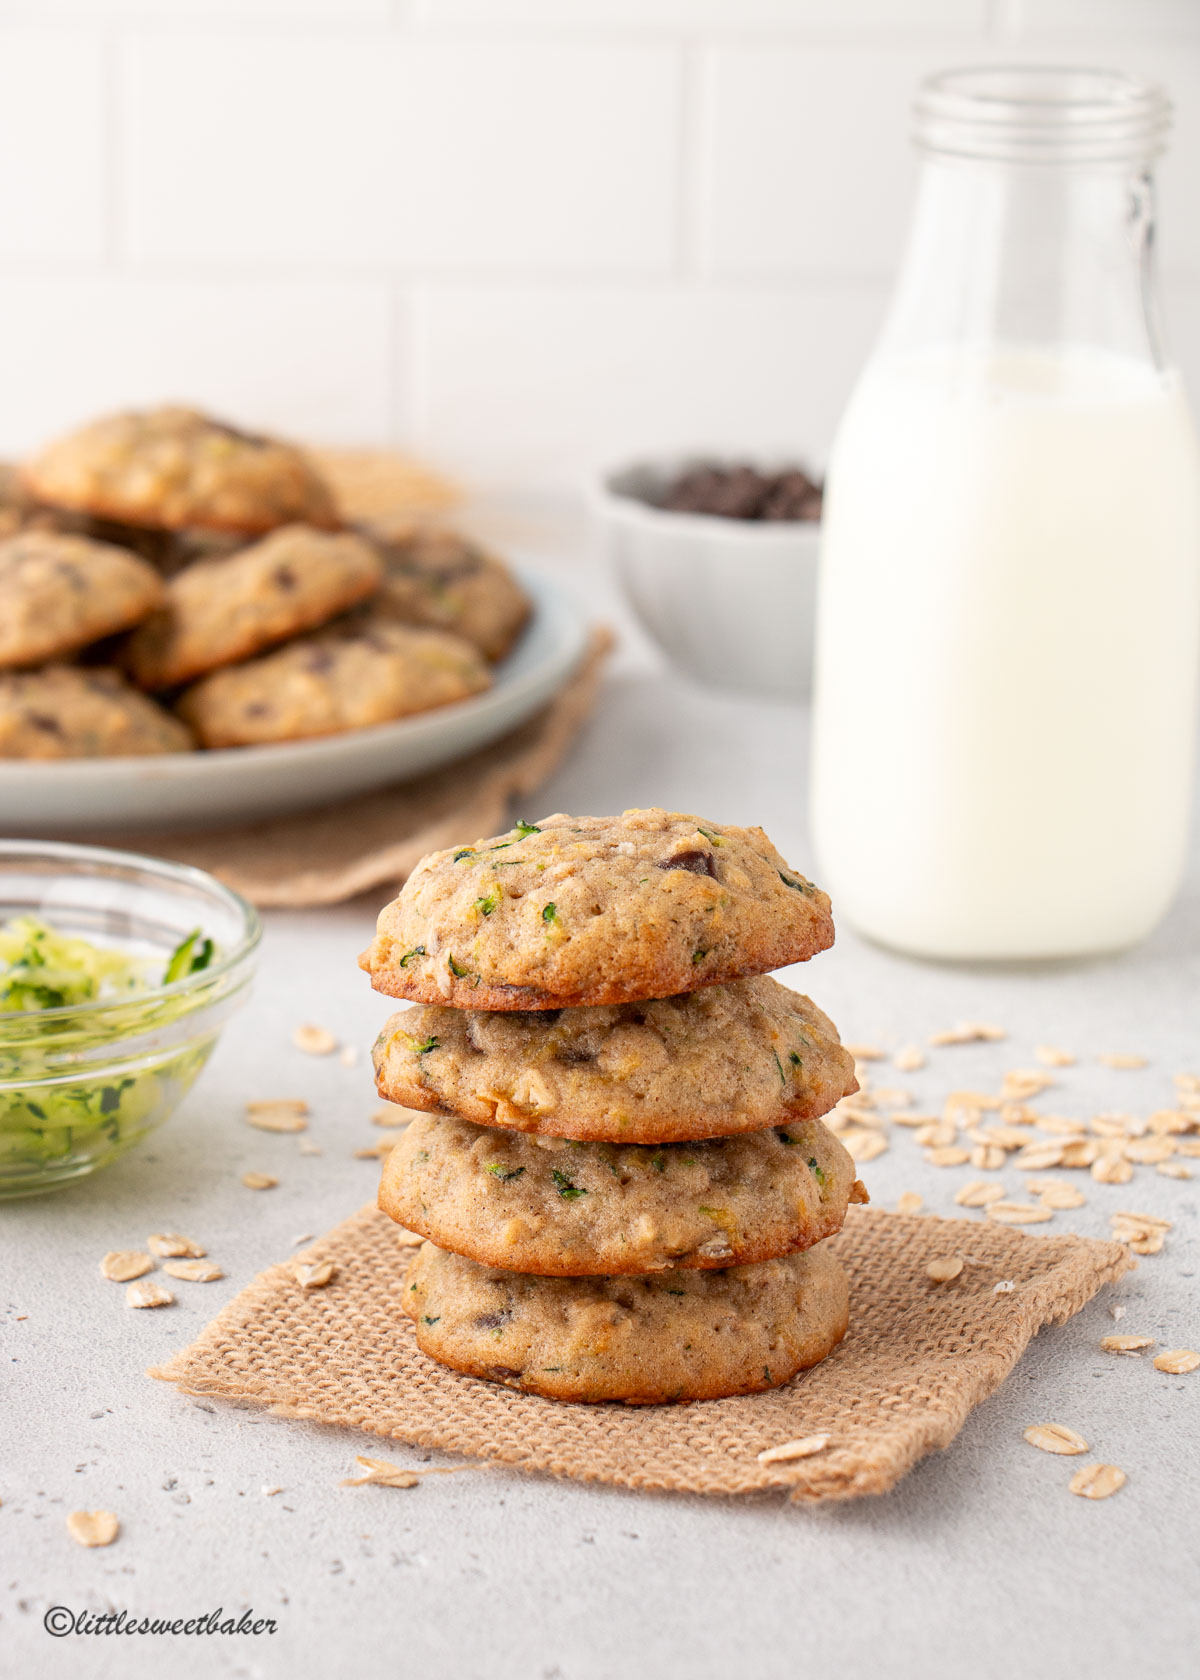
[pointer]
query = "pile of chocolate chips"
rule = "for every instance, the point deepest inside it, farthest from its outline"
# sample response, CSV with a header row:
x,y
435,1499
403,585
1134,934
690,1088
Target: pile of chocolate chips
x,y
739,492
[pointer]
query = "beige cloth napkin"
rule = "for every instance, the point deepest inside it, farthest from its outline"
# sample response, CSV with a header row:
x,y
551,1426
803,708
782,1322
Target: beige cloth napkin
x,y
374,839
918,1357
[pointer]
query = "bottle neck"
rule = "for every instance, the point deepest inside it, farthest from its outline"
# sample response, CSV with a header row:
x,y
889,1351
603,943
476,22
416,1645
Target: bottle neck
x,y
1029,255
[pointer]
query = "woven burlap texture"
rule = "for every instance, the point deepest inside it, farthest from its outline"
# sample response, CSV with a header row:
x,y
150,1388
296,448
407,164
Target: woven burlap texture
x,y
918,1357
327,855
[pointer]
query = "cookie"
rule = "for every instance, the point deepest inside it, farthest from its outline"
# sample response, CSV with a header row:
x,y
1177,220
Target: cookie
x,y
65,711
349,676
565,1209
594,910
60,593
438,578
226,609
174,467
167,551
678,1335
711,1063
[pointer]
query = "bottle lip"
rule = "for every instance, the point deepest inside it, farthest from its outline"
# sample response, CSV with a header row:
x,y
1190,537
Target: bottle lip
x,y
1041,114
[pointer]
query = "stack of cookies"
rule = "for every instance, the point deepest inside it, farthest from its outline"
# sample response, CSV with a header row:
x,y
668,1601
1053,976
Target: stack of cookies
x,y
621,1172
170,581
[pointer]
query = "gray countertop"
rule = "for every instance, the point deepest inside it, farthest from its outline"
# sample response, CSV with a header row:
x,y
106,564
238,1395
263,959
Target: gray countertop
x,y
980,1563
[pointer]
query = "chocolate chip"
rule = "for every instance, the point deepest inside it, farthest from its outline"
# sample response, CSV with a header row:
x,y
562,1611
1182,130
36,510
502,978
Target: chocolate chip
x,y
567,1054
48,725
742,492
285,577
698,863
494,1320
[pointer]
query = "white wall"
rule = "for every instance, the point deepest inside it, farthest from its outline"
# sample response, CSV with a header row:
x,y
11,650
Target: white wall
x,y
519,235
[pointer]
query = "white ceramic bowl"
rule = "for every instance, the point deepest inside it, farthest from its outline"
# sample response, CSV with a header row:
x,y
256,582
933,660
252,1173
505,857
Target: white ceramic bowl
x,y
729,601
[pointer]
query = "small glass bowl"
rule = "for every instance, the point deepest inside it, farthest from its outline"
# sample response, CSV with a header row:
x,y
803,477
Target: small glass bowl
x,y
81,1084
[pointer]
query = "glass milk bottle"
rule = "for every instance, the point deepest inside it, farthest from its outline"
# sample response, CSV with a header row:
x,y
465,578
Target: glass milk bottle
x,y
1009,608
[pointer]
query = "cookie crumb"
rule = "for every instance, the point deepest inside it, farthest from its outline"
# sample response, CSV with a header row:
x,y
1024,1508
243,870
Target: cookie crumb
x,y
1004,1287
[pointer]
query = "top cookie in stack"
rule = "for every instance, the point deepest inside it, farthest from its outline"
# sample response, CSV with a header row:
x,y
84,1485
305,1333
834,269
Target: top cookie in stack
x,y
599,983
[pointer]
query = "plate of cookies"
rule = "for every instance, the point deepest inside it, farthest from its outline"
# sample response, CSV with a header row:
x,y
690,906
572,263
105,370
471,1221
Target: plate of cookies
x,y
198,629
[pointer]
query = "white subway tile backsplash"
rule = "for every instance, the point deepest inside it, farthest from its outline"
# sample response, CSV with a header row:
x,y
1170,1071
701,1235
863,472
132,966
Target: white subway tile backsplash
x,y
52,144
888,16
309,360
541,384
388,150
804,159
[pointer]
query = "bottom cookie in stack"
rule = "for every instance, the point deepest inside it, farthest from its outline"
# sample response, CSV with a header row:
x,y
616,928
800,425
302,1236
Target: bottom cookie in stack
x,y
634,1272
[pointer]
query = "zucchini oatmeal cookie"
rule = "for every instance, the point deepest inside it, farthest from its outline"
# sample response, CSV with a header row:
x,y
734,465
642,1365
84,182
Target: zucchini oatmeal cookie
x,y
59,593
723,1060
438,578
595,910
349,676
230,607
679,1335
173,467
565,1209
66,711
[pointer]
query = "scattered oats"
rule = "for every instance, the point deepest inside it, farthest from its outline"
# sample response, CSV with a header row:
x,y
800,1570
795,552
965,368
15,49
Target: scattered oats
x,y
1036,1157
93,1528
270,1492
1005,1137
1173,1169
147,1293
1189,1147
1056,1438
1150,1221
1050,1056
936,1135
856,1113
864,1146
910,1058
979,1194
393,1114
891,1096
1177,1362
169,1245
376,1151
1022,1083
1018,1114
309,1148
970,1102
314,1274
307,1237
943,1271
1170,1122
278,1114
909,1202
1053,1194
790,1450
1118,1312
947,1156
1061,1125
1149,1151
1188,1082
866,1052
381,1472
989,1156
314,1041
1126,1344
1004,1287
916,1120
1112,1125
123,1264
1019,1213
1115,1059
1097,1481
348,1055
1079,1152
259,1181
1143,1233
969,1032
193,1271
1111,1169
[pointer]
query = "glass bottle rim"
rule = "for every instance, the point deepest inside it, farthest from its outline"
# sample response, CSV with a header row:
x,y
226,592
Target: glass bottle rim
x,y
1041,114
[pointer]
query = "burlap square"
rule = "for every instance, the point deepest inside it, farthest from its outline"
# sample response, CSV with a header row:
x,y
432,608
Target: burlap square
x,y
918,1357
